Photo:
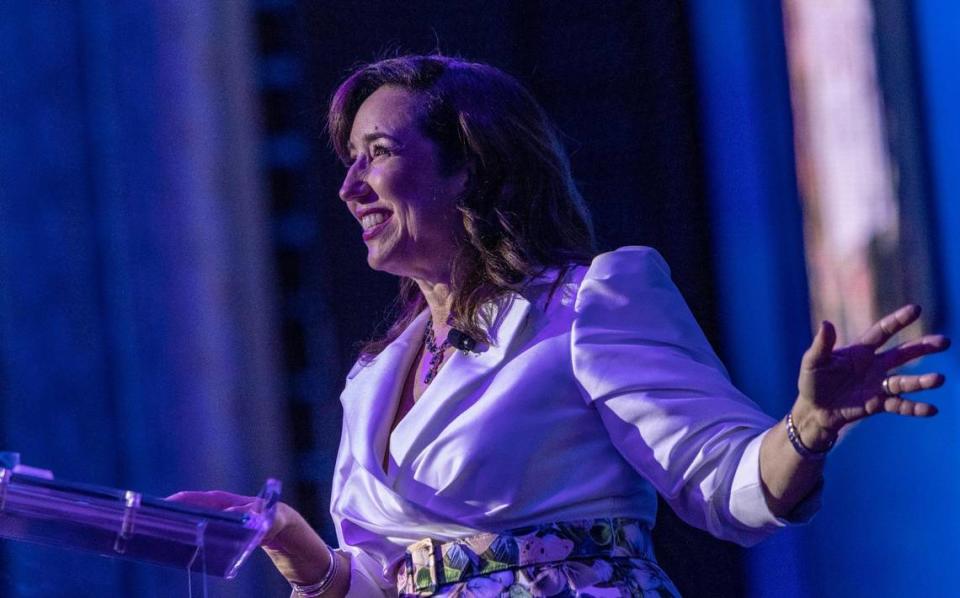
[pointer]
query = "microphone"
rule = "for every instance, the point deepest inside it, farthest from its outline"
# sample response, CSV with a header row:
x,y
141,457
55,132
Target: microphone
x,y
460,340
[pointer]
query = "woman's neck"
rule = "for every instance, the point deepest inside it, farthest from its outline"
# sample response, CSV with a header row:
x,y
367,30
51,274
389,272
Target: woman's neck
x,y
439,300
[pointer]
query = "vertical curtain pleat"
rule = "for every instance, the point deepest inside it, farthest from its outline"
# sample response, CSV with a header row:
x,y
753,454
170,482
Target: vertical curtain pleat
x,y
137,344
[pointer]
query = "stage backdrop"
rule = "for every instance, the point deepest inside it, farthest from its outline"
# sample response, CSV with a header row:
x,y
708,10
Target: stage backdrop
x,y
181,290
137,339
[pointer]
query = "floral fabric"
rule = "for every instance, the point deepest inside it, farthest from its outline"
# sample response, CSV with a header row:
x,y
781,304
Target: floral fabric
x,y
590,558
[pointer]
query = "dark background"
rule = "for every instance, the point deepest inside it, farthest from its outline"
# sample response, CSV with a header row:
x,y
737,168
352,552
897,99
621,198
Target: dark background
x,y
181,290
617,78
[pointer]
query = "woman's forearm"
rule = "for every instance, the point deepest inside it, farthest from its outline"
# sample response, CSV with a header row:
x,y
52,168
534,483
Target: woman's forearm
x,y
787,476
301,555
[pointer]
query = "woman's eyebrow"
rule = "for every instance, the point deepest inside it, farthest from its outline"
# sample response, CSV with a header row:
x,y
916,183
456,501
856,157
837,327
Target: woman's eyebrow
x,y
371,137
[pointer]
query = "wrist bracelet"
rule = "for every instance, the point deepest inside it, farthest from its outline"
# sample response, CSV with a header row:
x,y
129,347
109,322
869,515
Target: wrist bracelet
x,y
318,589
803,451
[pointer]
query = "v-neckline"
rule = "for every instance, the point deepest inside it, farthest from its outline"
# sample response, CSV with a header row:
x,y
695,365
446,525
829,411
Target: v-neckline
x,y
410,381
403,405
384,439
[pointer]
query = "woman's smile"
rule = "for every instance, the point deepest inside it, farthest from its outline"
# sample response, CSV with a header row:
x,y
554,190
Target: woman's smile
x,y
374,221
395,188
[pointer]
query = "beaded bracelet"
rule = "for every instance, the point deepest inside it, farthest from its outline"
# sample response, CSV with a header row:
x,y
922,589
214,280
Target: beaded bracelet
x,y
804,452
318,589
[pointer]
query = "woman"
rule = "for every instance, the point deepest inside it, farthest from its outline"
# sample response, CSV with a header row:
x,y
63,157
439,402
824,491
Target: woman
x,y
508,435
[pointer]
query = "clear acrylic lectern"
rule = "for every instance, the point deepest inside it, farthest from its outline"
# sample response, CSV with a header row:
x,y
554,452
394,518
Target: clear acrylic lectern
x,y
125,524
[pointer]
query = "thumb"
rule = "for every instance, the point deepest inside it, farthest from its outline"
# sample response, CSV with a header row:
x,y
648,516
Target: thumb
x,y
822,346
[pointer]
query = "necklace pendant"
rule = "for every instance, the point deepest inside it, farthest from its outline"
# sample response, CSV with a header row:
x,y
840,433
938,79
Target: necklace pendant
x,y
436,353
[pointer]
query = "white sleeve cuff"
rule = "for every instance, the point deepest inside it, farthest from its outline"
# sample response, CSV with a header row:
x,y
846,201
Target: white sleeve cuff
x,y
748,505
366,580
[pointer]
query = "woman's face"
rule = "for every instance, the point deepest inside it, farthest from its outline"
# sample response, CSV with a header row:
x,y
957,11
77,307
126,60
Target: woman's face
x,y
394,188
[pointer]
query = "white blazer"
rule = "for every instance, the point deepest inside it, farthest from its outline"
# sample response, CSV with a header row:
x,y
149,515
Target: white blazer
x,y
585,405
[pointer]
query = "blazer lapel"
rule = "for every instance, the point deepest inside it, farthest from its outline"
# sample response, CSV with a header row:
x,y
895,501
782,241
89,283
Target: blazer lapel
x,y
371,395
460,377
372,392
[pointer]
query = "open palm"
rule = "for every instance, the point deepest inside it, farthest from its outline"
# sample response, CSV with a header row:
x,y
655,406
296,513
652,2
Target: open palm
x,y
847,384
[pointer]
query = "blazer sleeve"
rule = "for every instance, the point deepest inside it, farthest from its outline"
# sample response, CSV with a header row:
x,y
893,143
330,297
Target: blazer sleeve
x,y
367,578
666,400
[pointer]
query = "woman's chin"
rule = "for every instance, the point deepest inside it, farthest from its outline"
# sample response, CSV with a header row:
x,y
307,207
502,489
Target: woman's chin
x,y
393,262
380,261
373,260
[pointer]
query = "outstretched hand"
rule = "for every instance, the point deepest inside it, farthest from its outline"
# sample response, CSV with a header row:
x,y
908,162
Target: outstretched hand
x,y
840,386
219,500
293,546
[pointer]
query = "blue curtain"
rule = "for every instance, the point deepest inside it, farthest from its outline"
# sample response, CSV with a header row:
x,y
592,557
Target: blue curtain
x,y
136,321
889,520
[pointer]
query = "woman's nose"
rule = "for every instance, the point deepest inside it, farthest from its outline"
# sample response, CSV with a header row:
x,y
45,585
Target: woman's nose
x,y
355,187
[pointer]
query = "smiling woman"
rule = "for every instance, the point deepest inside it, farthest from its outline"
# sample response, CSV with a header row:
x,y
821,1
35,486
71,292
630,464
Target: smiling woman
x,y
395,188
481,140
509,434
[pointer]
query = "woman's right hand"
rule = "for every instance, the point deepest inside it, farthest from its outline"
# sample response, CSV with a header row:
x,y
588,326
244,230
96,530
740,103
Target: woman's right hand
x,y
295,548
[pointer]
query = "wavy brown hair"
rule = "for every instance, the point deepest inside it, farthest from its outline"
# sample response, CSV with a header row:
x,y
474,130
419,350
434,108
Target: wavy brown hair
x,y
522,213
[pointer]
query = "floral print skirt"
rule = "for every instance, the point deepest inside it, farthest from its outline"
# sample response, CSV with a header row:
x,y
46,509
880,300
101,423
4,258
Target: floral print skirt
x,y
589,558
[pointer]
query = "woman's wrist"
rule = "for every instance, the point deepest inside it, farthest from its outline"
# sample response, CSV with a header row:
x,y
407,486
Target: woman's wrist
x,y
326,582
300,569
297,551
812,427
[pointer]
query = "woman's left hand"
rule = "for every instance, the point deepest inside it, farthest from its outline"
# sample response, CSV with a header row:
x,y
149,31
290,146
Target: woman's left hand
x,y
840,386
295,548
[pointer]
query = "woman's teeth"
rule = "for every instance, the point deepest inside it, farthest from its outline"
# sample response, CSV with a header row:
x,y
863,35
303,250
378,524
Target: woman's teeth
x,y
371,220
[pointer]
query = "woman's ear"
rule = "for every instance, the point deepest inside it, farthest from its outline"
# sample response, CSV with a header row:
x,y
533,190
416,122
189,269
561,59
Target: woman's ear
x,y
469,172
465,178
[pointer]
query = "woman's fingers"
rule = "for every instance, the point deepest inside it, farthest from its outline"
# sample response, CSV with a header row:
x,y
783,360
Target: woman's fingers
x,y
882,331
889,399
250,507
211,499
901,384
899,406
821,348
907,352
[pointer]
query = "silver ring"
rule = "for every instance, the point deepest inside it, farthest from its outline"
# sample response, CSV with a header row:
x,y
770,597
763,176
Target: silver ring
x,y
885,385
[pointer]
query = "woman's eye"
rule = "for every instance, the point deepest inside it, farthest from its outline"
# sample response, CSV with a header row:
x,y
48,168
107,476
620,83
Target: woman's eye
x,y
380,150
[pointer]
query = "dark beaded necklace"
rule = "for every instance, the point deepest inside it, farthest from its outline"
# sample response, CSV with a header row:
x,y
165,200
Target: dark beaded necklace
x,y
436,352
